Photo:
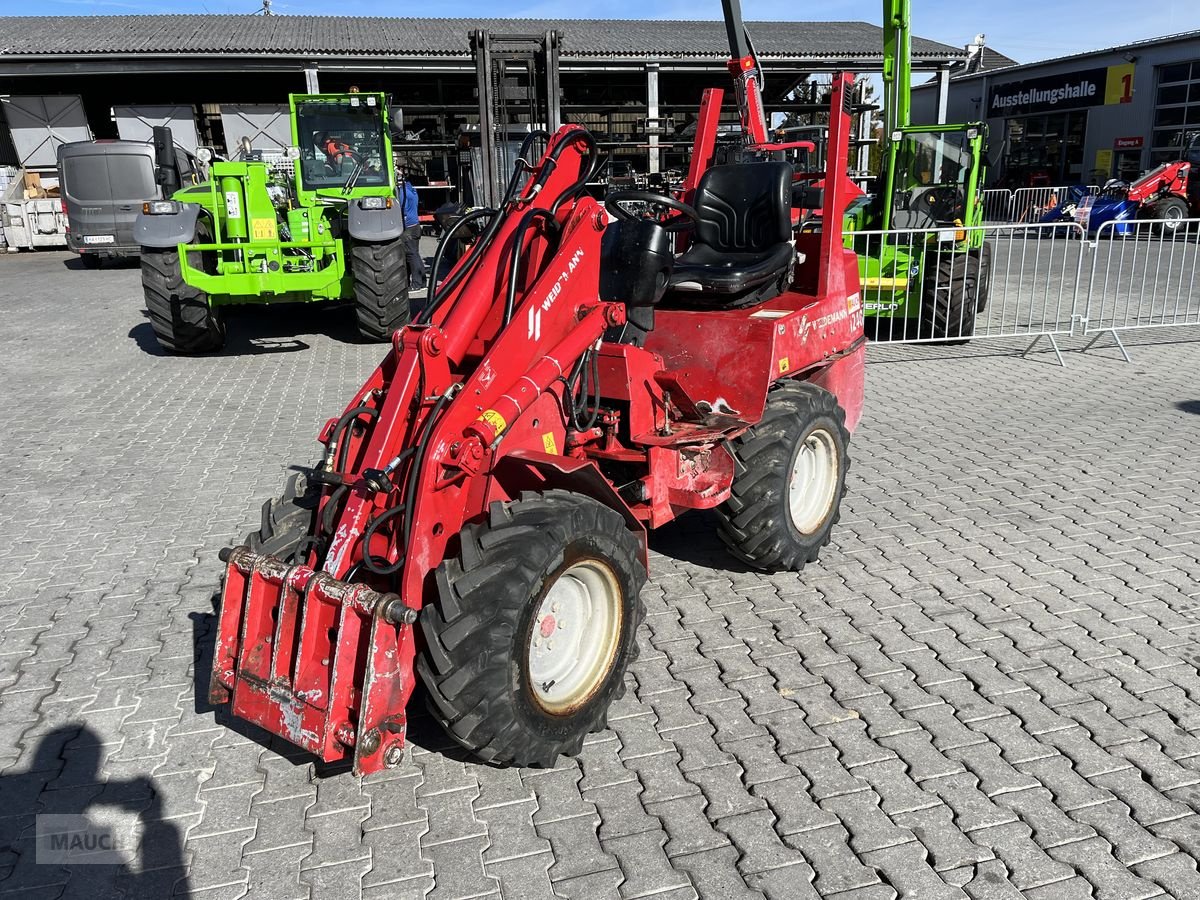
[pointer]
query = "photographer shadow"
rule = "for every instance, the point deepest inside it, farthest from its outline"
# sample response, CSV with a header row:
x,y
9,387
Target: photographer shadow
x,y
91,836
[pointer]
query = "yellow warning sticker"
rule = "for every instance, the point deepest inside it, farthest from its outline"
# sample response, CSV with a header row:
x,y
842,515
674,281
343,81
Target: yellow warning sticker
x,y
263,229
549,444
494,419
784,365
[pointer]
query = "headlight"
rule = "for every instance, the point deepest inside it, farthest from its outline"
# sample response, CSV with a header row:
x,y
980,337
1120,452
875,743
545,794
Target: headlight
x,y
375,203
162,207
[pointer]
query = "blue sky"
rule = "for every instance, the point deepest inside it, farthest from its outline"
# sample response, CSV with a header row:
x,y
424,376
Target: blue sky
x,y
1026,30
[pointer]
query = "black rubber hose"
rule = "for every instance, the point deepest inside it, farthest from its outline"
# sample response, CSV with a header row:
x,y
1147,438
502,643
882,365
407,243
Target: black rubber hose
x,y
514,256
485,239
348,417
382,567
432,293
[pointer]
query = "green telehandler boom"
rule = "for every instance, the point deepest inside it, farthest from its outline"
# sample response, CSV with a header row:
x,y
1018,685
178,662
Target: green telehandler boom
x,y
322,223
930,278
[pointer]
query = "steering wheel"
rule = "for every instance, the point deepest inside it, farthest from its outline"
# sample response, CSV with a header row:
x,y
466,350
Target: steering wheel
x,y
944,203
660,201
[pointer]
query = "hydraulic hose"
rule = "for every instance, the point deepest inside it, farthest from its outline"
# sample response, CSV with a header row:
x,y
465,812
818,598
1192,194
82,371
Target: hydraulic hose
x,y
348,417
480,246
382,567
514,256
433,293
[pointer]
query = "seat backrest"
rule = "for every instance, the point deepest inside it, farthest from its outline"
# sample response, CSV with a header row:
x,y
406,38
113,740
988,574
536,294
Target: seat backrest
x,y
745,207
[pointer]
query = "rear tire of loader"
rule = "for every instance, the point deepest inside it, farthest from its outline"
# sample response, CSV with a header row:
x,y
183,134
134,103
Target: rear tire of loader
x,y
546,567
180,314
789,480
287,521
380,288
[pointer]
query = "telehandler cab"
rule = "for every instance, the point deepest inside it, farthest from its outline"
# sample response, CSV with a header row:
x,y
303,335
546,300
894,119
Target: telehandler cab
x,y
479,515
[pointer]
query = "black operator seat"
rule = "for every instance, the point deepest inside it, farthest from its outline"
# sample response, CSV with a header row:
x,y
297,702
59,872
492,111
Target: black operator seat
x,y
743,239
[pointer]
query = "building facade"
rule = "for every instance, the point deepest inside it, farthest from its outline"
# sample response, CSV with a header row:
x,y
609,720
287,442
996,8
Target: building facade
x,y
1080,119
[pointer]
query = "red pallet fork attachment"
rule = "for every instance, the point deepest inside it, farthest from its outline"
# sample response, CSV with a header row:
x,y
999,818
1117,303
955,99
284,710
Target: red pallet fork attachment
x,y
293,648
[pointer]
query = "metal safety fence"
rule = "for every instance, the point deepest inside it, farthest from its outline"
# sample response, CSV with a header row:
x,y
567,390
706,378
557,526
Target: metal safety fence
x,y
1040,281
954,284
1024,205
1145,274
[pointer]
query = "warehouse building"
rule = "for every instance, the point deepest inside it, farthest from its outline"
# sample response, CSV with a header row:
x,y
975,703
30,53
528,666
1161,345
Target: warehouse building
x,y
616,75
1082,118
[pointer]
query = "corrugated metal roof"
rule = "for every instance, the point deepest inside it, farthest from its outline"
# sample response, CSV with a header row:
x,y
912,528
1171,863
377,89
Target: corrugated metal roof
x,y
396,37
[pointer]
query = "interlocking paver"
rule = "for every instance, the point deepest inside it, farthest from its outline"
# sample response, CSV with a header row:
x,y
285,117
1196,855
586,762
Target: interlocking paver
x,y
987,685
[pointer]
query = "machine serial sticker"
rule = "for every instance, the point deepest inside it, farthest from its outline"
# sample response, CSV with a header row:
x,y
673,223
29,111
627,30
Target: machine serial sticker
x,y
549,444
263,229
494,419
784,365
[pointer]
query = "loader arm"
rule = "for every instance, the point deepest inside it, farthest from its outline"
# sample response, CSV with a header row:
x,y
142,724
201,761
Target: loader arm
x,y
438,408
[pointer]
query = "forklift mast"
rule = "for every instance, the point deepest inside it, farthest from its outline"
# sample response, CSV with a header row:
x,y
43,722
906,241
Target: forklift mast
x,y
518,85
897,65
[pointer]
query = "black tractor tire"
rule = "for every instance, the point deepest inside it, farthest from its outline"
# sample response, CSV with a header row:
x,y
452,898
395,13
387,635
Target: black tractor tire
x,y
757,522
949,297
180,314
287,521
985,277
1173,210
380,288
483,631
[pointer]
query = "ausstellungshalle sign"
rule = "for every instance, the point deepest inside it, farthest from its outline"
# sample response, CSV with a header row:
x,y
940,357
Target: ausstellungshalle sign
x,y
1070,90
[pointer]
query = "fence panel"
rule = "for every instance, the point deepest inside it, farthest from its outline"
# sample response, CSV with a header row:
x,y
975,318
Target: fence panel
x,y
1029,204
997,205
1145,274
940,284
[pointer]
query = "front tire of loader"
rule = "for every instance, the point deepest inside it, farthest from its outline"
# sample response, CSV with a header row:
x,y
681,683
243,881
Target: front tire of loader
x,y
789,480
950,296
380,288
180,314
534,625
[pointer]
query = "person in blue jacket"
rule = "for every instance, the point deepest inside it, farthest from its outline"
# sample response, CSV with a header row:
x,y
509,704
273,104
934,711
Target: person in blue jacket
x,y
412,233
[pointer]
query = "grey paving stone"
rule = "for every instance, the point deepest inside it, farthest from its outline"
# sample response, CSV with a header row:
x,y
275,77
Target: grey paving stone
x,y
995,658
396,855
523,878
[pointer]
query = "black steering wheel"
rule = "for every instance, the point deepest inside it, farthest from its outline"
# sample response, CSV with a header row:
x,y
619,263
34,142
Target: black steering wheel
x,y
944,203
686,214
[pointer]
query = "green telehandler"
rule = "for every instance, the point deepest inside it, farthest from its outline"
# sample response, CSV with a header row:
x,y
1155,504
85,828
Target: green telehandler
x,y
930,276
322,223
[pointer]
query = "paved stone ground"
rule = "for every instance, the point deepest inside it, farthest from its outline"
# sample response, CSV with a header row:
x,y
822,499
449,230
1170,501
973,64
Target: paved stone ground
x,y
987,687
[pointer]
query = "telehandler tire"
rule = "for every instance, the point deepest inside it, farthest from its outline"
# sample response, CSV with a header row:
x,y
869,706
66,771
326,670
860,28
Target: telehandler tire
x,y
180,314
950,296
984,290
789,479
287,521
1172,211
534,625
380,288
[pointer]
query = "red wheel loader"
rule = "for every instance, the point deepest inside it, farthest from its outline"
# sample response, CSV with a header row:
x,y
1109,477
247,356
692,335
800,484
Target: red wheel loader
x,y
478,518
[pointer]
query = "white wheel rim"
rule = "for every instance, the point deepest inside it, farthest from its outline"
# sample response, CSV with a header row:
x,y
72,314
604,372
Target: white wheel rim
x,y
574,637
812,484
